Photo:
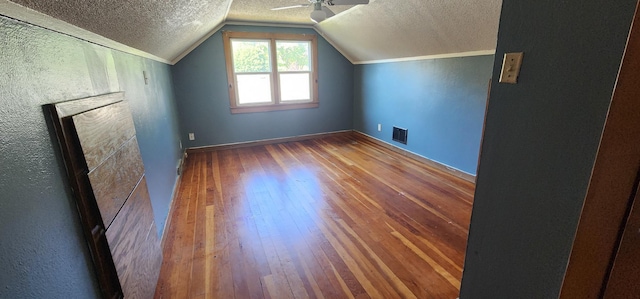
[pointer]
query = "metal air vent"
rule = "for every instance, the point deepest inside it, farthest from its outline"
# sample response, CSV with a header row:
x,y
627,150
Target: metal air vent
x,y
399,135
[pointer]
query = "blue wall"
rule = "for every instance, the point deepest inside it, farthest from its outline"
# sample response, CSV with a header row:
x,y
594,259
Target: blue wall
x,y
200,81
156,121
43,253
440,101
540,142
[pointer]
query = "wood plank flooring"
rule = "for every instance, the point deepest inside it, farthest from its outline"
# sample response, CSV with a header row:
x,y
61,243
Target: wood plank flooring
x,y
336,217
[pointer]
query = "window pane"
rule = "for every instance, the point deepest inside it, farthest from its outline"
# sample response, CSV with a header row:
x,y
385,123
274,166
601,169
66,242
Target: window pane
x,y
250,56
295,87
254,88
293,56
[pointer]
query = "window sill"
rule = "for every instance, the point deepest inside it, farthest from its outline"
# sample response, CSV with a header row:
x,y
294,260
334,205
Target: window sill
x,y
253,109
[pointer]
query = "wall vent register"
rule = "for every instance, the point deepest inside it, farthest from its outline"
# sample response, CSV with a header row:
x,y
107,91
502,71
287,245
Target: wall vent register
x,y
399,135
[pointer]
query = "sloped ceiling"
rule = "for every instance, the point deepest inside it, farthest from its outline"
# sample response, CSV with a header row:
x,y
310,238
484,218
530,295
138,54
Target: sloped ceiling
x,y
168,29
386,29
164,28
260,11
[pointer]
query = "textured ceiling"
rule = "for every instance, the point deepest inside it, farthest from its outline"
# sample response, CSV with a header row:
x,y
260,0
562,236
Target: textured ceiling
x,y
383,29
386,29
164,28
260,11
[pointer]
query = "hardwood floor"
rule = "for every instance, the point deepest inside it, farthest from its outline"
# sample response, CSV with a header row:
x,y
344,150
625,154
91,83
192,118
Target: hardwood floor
x,y
337,217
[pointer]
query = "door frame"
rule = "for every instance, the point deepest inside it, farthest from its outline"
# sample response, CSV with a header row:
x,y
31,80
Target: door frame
x,y
612,183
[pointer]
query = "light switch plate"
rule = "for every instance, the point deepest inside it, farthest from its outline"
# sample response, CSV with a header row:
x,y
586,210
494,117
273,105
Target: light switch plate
x,y
511,67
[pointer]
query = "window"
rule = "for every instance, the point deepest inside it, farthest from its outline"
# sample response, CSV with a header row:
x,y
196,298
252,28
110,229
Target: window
x,y
271,71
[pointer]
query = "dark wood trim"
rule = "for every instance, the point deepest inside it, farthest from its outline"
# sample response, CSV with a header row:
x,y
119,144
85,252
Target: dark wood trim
x,y
612,183
463,175
264,142
623,280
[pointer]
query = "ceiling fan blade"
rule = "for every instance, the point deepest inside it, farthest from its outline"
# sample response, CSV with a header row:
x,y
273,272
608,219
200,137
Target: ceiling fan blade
x,y
292,6
348,2
328,12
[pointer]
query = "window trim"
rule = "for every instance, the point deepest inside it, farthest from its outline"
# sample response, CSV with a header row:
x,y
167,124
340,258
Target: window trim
x,y
277,104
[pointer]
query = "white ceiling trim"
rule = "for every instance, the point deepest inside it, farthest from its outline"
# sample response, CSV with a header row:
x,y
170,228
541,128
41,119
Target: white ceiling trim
x,y
198,43
27,15
215,30
226,14
426,57
266,24
334,45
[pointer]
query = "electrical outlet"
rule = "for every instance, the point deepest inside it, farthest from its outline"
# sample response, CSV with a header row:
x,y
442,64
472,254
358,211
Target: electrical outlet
x,y
179,167
192,136
379,127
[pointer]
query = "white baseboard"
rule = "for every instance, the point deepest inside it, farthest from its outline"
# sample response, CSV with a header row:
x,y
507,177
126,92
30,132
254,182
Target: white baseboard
x,y
174,193
263,142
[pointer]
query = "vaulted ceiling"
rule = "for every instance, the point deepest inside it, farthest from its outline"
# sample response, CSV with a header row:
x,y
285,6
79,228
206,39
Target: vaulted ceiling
x,y
167,30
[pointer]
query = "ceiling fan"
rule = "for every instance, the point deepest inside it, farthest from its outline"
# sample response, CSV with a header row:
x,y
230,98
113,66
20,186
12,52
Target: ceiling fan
x,y
320,10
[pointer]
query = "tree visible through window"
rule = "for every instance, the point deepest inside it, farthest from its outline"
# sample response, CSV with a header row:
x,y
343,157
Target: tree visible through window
x,y
294,68
256,85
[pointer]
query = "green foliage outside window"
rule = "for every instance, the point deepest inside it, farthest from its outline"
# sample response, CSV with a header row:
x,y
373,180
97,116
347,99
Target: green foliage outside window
x,y
253,56
293,56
